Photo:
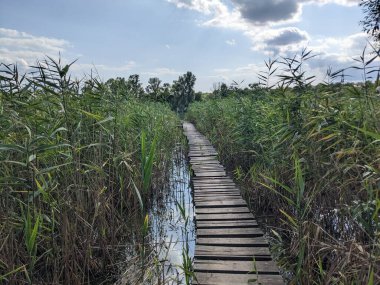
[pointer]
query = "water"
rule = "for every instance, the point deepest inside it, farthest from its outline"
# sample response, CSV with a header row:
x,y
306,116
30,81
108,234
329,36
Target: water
x,y
170,243
173,227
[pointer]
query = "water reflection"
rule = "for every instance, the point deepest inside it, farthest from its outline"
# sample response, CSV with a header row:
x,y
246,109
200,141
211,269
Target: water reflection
x,y
173,230
165,253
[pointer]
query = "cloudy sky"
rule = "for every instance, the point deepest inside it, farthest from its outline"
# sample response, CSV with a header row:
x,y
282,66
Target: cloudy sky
x,y
218,40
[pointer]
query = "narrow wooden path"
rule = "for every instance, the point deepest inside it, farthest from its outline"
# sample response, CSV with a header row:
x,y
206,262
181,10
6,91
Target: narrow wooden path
x,y
230,247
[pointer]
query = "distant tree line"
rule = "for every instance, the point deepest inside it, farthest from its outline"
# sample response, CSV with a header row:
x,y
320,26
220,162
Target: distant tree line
x,y
178,95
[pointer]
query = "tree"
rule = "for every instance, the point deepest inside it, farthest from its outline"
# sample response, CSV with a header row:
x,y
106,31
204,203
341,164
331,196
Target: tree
x,y
118,87
371,9
182,92
220,90
135,88
154,89
165,92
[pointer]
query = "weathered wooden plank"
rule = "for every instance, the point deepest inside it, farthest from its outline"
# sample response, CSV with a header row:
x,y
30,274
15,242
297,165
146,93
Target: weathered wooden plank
x,y
211,186
217,197
198,152
235,266
221,204
220,217
199,194
208,169
199,197
210,174
204,158
226,224
213,180
230,232
230,241
227,195
236,279
206,185
221,210
207,166
230,251
216,190
209,181
212,191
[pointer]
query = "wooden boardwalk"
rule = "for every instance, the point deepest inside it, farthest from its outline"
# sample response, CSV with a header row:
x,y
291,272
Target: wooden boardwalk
x,y
230,247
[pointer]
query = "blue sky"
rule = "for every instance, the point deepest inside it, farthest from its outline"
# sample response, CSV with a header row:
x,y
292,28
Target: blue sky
x,y
218,40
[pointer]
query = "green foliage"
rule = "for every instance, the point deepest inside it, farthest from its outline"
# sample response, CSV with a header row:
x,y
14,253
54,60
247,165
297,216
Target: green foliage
x,y
309,157
182,92
147,160
371,9
70,158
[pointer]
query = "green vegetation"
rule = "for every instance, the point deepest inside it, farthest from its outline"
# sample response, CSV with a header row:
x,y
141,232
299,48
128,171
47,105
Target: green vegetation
x,y
178,95
309,159
79,164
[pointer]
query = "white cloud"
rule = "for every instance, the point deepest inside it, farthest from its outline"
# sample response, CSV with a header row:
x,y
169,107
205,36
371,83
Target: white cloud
x,y
231,42
203,6
87,67
257,12
274,42
25,49
162,71
258,20
248,73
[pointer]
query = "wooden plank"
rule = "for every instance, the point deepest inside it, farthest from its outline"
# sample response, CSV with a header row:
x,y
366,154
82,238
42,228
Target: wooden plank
x,y
230,241
216,192
226,224
209,170
210,174
221,204
230,232
217,197
221,217
238,252
235,266
204,158
219,185
206,166
236,279
209,181
221,210
212,191
203,153
215,179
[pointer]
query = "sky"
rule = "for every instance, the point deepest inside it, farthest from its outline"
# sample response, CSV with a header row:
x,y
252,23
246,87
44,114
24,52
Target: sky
x,y
217,40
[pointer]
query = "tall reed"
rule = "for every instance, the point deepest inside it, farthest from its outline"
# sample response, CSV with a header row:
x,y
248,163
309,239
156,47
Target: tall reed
x,y
70,155
308,157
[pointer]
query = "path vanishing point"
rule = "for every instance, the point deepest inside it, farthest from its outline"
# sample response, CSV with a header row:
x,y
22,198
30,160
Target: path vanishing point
x,y
230,247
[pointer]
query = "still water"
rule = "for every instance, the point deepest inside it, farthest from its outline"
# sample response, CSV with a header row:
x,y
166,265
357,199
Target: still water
x,y
168,248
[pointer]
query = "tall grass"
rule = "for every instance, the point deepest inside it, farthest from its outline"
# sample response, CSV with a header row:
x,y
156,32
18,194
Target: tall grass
x,y
75,168
309,159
